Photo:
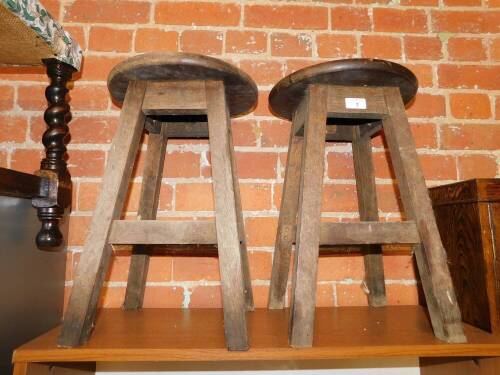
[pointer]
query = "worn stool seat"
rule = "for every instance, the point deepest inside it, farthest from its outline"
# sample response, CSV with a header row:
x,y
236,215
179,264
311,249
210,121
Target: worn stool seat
x,y
287,94
170,96
350,101
241,91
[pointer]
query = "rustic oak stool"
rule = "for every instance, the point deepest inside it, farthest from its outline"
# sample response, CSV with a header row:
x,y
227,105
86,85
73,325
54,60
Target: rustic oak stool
x,y
171,96
349,101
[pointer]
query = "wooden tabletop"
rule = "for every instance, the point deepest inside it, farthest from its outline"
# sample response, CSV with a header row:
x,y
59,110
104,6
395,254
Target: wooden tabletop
x,y
197,335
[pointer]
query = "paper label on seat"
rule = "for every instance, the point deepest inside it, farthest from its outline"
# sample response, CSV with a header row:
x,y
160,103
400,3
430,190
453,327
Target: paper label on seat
x,y
355,103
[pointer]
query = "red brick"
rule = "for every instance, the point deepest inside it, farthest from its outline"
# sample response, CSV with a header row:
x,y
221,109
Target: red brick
x,y
107,39
399,267
465,21
197,13
206,297
291,45
53,7
83,163
166,198
470,137
147,40
195,269
466,49
88,193
286,17
438,167
340,165
424,134
194,197
246,41
202,41
382,165
107,11
255,197
6,98
260,165
497,108
3,159
260,293
244,132
470,106
182,164
132,198
495,50
163,296
380,46
336,45
427,105
78,228
297,64
26,160
261,231
262,108
274,133
420,2
89,98
263,72
83,129
388,198
399,20
422,48
400,294
31,97
469,76
97,68
13,128
111,297
339,198
260,265
351,295
324,295
336,268
350,18
476,166
424,74
24,74
457,3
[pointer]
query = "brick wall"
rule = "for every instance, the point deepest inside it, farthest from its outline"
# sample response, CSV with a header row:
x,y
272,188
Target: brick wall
x,y
451,45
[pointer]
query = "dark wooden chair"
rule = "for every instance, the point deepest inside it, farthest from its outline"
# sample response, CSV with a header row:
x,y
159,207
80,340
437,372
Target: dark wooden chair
x,y
170,96
349,101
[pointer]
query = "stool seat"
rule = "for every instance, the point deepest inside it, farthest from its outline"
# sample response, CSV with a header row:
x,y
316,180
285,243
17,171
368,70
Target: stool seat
x,y
288,93
241,91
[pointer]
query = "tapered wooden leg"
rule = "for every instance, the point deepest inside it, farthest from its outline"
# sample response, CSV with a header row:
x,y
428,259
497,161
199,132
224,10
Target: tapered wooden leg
x,y
368,211
431,256
245,267
309,220
148,205
286,222
82,306
230,257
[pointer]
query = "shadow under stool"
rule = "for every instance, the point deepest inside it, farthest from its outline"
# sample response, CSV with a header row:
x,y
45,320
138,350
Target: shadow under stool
x,y
169,95
350,101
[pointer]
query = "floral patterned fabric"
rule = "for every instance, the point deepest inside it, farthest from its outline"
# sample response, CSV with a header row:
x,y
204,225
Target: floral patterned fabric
x,y
35,16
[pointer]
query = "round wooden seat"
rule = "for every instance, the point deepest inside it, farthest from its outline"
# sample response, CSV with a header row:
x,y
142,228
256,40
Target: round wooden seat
x,y
287,93
241,91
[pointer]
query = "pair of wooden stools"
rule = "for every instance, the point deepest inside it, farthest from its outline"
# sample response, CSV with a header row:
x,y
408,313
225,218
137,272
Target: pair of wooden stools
x,y
193,96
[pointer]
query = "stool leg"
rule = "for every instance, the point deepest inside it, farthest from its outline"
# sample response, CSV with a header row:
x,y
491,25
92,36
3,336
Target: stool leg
x,y
228,236
309,220
286,223
368,211
247,281
82,306
431,256
148,205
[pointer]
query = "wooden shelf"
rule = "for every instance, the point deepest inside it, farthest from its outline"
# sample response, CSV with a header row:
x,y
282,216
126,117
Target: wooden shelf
x,y
197,335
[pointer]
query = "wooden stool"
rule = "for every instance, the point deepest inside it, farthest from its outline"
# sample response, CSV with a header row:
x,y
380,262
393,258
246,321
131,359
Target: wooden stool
x,y
349,101
172,96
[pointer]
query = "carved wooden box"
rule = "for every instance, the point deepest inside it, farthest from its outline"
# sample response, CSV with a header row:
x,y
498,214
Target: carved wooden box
x,y
468,217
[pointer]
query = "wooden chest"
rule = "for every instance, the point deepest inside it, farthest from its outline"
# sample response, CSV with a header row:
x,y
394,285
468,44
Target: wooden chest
x,y
468,217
